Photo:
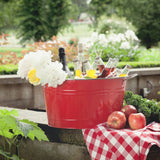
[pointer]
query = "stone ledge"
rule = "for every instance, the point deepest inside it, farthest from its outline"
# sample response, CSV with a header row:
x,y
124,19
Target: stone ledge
x,y
146,71
11,79
140,71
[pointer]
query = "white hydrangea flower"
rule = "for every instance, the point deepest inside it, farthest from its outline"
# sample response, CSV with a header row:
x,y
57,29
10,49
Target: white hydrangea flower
x,y
51,74
121,37
33,60
112,38
24,66
41,58
47,72
102,39
130,35
125,45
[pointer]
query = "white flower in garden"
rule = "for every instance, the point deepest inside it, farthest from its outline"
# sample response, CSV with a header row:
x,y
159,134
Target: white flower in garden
x,y
116,38
125,45
87,43
130,35
121,37
112,38
94,36
102,39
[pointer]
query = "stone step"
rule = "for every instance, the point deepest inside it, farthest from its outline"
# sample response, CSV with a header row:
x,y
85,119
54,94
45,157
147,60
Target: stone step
x,y
35,150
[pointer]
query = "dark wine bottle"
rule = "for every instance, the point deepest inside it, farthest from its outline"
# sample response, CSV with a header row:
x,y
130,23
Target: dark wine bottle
x,y
62,58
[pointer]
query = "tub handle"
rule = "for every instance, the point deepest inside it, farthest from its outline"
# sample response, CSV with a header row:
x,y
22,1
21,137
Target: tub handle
x,y
131,76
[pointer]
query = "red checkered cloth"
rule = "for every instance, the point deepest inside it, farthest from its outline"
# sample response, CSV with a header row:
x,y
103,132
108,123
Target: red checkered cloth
x,y
104,143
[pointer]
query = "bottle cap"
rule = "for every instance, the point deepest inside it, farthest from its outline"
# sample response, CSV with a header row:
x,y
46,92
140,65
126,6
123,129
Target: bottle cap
x,y
61,50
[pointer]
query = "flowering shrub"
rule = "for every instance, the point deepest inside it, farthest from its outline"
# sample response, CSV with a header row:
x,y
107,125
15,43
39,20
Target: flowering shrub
x,y
121,46
8,57
73,41
38,68
53,46
3,39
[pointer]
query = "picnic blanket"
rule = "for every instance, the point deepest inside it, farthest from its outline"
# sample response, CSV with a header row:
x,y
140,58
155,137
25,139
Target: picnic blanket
x,y
104,143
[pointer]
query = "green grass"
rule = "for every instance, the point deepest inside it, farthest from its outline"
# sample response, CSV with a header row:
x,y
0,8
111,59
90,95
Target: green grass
x,y
79,31
152,54
8,69
12,49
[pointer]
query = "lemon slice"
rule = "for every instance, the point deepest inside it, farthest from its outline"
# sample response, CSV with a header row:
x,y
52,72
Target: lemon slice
x,y
33,79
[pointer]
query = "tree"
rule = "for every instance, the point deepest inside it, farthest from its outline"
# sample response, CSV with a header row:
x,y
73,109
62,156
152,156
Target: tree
x,y
7,14
98,8
80,7
40,19
145,16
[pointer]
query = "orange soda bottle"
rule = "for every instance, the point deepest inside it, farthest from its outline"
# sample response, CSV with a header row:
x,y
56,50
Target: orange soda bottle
x,y
110,67
98,64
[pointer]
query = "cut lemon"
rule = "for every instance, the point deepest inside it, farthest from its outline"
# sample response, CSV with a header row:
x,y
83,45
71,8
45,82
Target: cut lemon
x,y
33,79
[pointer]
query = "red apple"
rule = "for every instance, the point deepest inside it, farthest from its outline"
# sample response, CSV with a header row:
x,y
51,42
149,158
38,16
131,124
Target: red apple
x,y
137,121
128,109
116,120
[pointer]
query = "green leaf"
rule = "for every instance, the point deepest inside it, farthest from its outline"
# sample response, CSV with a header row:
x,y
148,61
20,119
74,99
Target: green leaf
x,y
39,134
29,122
14,112
25,128
14,157
7,122
35,131
7,112
31,136
6,133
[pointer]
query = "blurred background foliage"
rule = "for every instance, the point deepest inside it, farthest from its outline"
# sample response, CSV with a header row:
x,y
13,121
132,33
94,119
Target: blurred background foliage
x,y
26,23
39,19
143,14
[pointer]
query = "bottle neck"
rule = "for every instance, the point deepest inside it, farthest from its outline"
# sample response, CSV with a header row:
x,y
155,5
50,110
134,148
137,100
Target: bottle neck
x,y
112,63
99,61
126,69
62,58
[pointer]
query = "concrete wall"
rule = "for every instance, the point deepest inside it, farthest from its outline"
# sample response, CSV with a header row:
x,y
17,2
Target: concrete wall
x,y
18,93
147,79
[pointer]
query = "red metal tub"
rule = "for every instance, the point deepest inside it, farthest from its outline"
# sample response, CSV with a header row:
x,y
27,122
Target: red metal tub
x,y
83,103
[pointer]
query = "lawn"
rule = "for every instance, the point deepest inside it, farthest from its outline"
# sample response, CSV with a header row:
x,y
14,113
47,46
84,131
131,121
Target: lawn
x,y
152,54
12,49
77,30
